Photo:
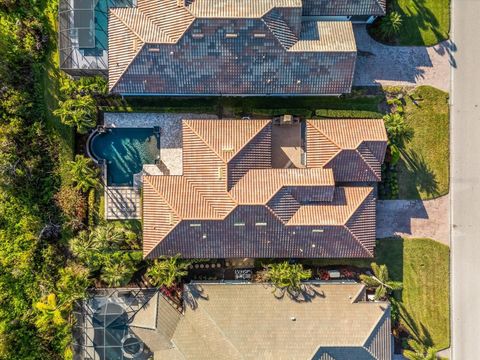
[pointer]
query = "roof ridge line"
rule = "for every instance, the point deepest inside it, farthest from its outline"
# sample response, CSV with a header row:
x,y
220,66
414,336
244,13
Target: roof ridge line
x,y
267,122
186,122
135,55
214,323
329,139
380,318
361,202
365,160
320,131
358,241
161,195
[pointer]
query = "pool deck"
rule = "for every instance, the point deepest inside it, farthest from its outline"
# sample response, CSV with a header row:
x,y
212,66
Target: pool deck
x,y
122,202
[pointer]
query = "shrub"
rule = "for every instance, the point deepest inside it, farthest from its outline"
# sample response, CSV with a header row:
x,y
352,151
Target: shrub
x,y
167,271
390,24
72,284
91,208
335,113
398,130
287,277
73,206
117,272
82,173
80,112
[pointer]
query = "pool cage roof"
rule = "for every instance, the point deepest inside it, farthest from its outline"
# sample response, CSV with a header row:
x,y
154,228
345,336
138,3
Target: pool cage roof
x,y
83,35
104,324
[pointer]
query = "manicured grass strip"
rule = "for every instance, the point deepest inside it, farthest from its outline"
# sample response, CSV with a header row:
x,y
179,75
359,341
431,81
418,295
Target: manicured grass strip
x,y
425,22
423,267
423,172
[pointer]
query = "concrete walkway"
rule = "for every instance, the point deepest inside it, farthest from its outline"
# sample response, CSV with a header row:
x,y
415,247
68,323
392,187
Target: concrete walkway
x,y
415,218
402,65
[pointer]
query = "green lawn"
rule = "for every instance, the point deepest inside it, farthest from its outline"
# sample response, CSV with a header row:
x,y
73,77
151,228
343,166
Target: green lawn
x,y
423,171
425,22
357,105
423,267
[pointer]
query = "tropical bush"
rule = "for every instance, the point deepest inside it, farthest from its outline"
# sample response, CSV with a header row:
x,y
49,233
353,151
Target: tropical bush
x,y
167,271
73,284
390,24
117,272
380,281
287,277
398,131
83,174
73,205
95,86
80,112
419,351
104,251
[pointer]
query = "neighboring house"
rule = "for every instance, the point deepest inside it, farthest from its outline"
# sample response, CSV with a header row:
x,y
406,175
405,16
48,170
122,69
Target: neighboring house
x,y
238,321
358,11
247,191
215,47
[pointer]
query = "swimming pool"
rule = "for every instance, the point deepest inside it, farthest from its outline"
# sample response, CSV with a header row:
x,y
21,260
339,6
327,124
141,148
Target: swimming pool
x,y
125,151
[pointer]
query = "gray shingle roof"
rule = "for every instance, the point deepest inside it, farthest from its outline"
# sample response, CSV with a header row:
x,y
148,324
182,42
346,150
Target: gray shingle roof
x,y
343,7
245,321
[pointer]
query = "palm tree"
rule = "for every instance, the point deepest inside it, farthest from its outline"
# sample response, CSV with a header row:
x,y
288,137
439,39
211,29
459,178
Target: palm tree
x,y
419,351
390,24
107,236
380,281
398,130
73,283
167,271
80,111
117,274
49,313
82,173
82,245
287,277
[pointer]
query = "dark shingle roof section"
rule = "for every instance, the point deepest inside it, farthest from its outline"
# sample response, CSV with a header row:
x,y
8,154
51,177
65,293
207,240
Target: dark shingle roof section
x,y
343,7
265,53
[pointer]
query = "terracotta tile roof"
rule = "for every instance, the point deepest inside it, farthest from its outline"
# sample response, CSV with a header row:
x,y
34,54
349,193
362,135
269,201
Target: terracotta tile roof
x,y
353,148
338,325
237,8
171,47
230,202
345,202
259,186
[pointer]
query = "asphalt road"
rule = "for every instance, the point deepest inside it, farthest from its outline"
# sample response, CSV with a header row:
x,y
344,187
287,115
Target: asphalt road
x,y
465,181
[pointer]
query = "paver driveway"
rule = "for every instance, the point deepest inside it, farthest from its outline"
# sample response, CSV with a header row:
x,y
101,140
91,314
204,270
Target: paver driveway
x,y
415,218
402,65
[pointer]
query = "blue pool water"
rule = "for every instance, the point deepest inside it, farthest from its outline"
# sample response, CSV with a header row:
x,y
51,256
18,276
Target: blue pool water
x,y
125,150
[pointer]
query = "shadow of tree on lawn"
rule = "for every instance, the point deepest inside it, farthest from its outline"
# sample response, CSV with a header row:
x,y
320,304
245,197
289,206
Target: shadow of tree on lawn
x,y
420,173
